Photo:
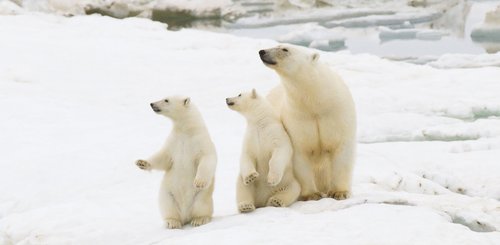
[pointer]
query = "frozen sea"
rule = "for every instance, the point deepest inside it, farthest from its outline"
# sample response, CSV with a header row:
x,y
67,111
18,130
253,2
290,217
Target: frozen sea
x,y
450,31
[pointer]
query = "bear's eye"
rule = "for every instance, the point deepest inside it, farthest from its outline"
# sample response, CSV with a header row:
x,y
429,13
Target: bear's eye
x,y
239,95
285,50
166,101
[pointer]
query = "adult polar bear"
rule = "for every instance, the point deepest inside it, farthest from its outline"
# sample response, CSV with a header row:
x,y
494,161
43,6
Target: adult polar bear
x,y
318,113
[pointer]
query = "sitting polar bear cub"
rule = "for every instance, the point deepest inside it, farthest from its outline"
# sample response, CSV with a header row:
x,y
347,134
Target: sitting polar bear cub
x,y
188,159
266,151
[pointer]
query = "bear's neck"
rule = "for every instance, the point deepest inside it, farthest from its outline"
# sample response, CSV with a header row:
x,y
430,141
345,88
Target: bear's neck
x,y
189,128
261,116
309,89
191,124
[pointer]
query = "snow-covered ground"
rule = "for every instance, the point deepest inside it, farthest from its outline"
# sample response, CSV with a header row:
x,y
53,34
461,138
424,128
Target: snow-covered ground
x,y
75,94
121,8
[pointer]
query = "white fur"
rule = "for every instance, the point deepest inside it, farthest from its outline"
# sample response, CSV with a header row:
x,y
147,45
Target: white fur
x,y
319,115
266,174
189,160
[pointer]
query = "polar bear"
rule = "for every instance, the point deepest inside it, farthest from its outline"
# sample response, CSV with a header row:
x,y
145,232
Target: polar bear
x,y
189,160
319,115
267,151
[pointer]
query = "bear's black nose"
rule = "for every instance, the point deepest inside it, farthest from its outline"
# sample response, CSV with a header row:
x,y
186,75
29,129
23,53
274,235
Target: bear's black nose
x,y
262,52
154,107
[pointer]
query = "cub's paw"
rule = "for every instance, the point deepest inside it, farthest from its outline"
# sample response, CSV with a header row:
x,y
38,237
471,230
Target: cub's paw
x,y
275,202
250,178
314,196
273,178
200,183
339,195
244,207
173,224
200,221
143,165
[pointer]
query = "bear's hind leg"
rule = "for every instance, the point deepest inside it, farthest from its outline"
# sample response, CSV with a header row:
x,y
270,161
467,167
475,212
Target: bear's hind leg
x,y
170,211
285,196
202,207
305,175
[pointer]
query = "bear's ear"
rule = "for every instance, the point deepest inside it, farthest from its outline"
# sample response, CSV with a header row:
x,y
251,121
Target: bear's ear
x,y
254,94
187,101
315,57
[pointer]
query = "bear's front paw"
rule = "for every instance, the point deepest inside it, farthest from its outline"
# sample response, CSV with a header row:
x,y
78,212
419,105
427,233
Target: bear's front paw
x,y
273,179
275,202
143,165
244,207
173,224
339,195
250,178
200,183
200,221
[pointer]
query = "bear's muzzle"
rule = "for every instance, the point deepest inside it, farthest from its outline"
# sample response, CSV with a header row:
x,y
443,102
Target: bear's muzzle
x,y
266,58
155,108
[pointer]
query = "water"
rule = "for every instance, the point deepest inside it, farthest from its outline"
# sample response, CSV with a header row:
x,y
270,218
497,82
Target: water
x,y
459,40
458,22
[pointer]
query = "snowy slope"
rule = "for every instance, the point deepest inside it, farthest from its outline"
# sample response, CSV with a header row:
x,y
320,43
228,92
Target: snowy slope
x,y
74,95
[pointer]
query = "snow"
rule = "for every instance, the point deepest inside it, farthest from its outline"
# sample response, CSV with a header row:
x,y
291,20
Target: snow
x,y
294,17
122,8
74,95
410,33
315,36
466,60
9,8
385,20
197,6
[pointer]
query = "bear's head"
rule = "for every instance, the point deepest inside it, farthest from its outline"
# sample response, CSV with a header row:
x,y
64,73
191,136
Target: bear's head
x,y
245,103
288,59
172,107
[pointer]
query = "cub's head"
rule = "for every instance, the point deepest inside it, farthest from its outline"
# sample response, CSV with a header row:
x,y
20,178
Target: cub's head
x,y
288,59
245,102
172,107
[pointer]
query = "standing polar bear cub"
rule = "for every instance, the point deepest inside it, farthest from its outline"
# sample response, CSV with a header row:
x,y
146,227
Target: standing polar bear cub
x,y
318,113
189,160
266,174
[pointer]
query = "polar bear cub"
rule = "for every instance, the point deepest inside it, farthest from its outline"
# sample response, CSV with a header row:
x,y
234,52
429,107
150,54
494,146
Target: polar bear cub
x,y
189,160
267,151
